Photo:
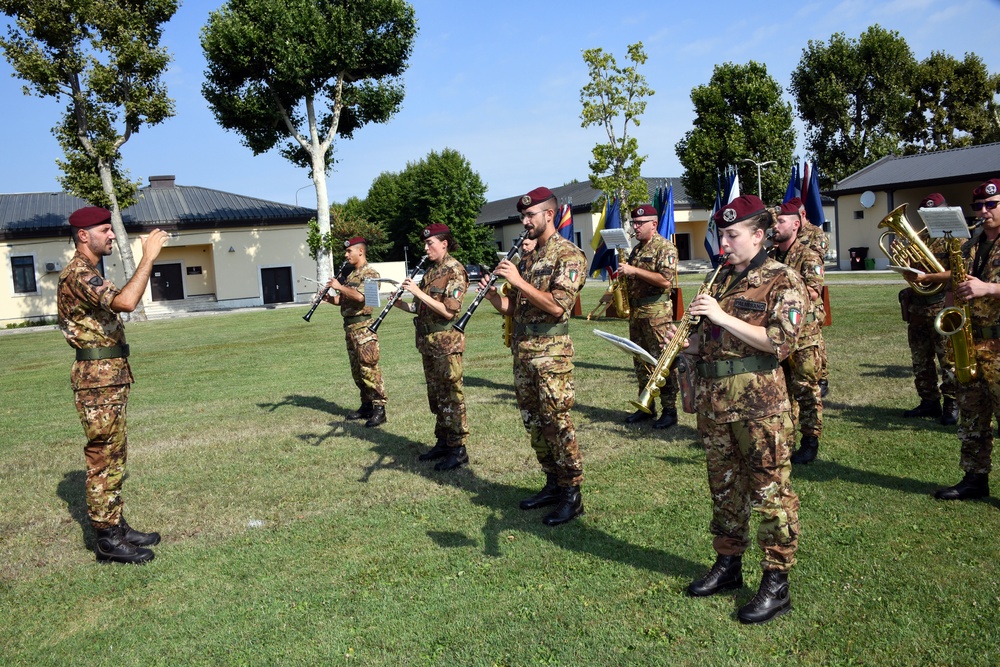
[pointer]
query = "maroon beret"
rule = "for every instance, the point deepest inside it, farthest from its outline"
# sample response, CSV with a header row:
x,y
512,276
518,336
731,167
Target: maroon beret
x,y
933,200
741,208
354,240
790,207
536,196
435,229
644,211
89,216
988,189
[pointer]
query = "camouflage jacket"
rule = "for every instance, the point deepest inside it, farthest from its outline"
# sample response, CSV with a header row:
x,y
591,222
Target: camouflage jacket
x,y
814,237
356,281
770,295
659,256
982,260
558,268
87,321
928,307
809,265
446,282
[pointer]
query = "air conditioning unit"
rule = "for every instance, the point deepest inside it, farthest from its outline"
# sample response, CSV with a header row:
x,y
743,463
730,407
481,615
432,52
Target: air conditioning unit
x,y
53,267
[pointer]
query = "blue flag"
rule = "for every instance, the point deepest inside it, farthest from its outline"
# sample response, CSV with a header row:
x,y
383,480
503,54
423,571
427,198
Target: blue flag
x,y
667,228
606,258
793,185
811,197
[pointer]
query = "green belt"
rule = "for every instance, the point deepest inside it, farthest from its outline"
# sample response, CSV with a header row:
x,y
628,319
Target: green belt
x,y
354,319
720,369
541,329
646,300
431,327
986,333
95,353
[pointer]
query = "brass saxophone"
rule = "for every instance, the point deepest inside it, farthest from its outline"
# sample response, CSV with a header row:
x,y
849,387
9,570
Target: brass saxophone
x,y
619,294
508,320
955,322
658,377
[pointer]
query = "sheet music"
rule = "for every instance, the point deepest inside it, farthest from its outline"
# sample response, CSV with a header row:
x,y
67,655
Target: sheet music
x,y
372,297
907,271
615,238
945,219
627,345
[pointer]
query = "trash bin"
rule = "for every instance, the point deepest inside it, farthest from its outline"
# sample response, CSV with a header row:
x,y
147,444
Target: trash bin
x,y
870,264
858,257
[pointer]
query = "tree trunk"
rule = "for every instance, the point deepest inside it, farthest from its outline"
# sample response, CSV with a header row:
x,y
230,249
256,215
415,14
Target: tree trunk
x,y
324,261
121,238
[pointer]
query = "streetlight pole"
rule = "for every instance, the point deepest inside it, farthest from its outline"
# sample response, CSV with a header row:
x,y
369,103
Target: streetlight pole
x,y
759,165
311,185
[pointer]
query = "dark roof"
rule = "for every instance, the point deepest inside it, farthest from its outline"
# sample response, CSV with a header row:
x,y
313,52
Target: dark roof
x,y
911,171
583,197
161,204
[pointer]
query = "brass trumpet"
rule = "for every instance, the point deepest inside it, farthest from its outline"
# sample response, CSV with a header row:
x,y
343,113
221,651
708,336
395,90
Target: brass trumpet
x,y
909,249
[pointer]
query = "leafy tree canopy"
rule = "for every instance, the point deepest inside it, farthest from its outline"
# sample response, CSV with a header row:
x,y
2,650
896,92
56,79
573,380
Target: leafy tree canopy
x,y
739,115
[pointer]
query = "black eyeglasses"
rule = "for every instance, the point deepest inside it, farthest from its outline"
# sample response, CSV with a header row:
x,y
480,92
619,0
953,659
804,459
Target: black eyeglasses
x,y
529,216
989,205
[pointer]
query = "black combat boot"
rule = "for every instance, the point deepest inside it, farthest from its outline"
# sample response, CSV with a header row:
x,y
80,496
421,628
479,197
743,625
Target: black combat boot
x,y
824,388
949,412
973,485
364,412
111,547
549,495
806,453
927,408
772,599
438,451
667,419
640,416
454,457
570,506
377,417
137,538
726,573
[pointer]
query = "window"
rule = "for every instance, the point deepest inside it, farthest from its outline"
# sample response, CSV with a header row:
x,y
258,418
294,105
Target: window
x,y
859,215
23,270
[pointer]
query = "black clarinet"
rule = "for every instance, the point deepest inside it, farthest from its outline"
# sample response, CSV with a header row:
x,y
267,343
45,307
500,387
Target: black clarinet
x,y
515,251
373,327
342,273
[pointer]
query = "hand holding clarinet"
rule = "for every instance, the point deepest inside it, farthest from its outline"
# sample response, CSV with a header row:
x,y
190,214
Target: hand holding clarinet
x,y
487,283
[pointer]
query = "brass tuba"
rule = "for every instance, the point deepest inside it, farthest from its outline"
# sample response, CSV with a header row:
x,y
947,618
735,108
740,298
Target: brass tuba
x,y
955,322
909,249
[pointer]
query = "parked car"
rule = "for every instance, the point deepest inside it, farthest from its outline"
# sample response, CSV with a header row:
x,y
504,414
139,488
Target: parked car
x,y
474,271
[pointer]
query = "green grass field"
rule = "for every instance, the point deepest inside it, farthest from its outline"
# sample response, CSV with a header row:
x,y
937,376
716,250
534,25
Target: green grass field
x,y
293,537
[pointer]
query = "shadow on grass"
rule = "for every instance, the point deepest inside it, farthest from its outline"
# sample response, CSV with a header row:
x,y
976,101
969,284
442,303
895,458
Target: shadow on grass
x,y
71,490
311,402
891,371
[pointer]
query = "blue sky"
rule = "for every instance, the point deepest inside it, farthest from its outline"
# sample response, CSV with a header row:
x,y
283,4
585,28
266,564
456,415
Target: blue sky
x,y
500,83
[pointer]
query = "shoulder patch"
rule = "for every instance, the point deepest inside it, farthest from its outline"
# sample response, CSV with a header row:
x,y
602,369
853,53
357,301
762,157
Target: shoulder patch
x,y
96,281
794,316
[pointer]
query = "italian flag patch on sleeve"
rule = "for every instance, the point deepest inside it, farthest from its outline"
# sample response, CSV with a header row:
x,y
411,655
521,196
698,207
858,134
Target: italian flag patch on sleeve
x,y
795,316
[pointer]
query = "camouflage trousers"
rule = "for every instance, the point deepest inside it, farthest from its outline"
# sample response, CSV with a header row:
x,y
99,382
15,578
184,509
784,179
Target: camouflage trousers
x,y
926,345
363,352
748,471
978,404
544,389
446,397
650,333
824,371
802,373
102,413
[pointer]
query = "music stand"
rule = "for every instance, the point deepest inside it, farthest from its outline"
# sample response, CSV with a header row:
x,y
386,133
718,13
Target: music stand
x,y
615,238
944,220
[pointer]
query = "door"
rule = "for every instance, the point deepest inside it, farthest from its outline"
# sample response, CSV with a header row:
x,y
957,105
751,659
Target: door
x,y
277,285
165,283
683,242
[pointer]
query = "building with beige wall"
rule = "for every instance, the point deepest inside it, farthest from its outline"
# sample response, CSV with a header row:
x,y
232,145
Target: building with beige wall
x,y
865,198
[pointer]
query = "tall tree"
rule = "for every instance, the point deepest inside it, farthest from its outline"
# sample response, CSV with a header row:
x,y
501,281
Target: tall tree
x,y
616,94
103,58
347,220
441,187
953,104
853,96
298,73
739,115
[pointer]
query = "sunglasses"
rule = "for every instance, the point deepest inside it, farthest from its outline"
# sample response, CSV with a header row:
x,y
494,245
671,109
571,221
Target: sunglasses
x,y
989,205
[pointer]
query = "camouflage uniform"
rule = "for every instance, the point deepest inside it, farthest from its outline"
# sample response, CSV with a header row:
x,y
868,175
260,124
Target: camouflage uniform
x,y
979,400
803,365
652,310
743,418
814,237
101,387
926,344
441,348
543,363
362,344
